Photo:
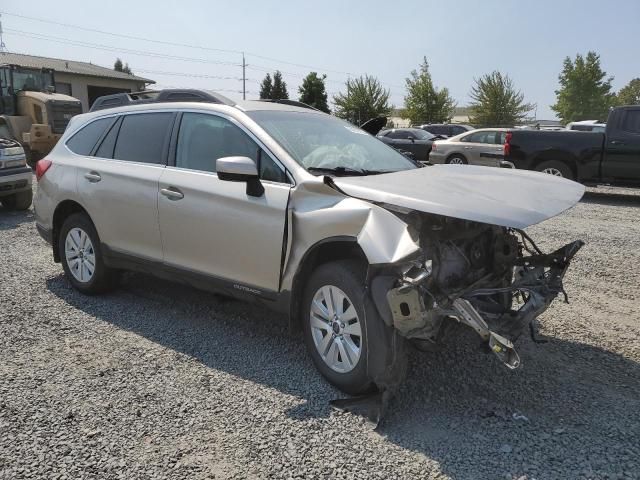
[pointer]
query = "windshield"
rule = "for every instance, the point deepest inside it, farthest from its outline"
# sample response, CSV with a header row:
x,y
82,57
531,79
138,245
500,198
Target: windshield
x,y
319,141
33,80
422,134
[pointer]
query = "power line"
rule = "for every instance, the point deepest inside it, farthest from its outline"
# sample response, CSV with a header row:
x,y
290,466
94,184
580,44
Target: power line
x,y
193,75
97,46
164,42
66,41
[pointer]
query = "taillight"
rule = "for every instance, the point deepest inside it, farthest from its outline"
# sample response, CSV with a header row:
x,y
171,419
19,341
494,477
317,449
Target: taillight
x,y
507,144
41,168
433,147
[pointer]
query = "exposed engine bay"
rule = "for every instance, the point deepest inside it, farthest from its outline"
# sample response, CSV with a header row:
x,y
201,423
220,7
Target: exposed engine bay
x,y
493,279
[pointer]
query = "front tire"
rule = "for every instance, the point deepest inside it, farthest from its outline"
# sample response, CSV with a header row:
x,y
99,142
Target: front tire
x,y
81,256
343,329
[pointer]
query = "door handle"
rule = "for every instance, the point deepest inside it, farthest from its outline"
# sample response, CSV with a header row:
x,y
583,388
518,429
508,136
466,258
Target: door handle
x,y
93,177
172,193
468,148
617,142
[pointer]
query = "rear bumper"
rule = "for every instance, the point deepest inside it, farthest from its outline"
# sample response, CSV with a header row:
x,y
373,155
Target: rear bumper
x,y
435,157
15,180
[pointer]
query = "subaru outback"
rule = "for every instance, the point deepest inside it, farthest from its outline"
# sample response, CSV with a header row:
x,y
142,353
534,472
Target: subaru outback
x,y
361,248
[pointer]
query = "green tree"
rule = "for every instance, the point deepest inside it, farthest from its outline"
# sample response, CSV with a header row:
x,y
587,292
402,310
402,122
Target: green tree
x,y
275,89
496,101
365,99
424,103
630,94
279,90
585,90
266,87
313,91
118,66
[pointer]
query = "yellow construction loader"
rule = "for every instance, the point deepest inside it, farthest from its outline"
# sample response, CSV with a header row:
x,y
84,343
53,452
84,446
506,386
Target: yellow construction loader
x,y
30,110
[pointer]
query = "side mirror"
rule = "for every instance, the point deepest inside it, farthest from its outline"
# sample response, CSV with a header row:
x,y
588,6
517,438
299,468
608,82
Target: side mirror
x,y
240,169
413,140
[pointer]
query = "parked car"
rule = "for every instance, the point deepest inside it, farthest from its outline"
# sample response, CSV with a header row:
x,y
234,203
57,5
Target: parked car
x,y
413,140
612,157
445,130
15,176
587,126
478,147
302,212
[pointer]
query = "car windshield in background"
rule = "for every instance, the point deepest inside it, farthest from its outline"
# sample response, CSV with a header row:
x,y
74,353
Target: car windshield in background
x,y
322,142
422,134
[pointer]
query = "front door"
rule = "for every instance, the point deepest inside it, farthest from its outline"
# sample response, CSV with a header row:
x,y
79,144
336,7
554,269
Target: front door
x,y
211,226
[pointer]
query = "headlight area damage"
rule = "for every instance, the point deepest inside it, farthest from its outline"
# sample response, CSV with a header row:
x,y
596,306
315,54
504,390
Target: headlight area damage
x,y
492,279
445,246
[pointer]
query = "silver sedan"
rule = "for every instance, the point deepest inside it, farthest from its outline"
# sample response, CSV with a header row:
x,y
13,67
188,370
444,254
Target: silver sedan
x,y
484,146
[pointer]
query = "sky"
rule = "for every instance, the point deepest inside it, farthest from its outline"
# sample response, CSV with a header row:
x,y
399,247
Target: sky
x,y
462,40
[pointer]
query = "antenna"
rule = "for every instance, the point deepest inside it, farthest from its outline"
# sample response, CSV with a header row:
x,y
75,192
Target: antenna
x,y
3,47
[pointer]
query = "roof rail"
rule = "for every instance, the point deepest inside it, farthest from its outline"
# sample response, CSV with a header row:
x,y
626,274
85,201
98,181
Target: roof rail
x,y
286,101
159,96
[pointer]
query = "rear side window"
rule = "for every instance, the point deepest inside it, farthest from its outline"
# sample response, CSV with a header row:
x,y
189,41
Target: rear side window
x,y
142,137
84,140
481,137
631,121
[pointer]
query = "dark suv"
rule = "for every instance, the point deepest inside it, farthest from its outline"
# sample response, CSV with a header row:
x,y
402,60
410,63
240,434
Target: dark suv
x,y
445,129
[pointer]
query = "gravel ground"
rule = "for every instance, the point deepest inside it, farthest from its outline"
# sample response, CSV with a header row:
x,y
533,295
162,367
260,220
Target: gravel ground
x,y
160,381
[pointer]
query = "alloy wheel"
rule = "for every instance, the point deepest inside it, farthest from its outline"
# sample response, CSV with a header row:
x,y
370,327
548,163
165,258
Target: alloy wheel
x,y
80,255
336,329
456,161
553,171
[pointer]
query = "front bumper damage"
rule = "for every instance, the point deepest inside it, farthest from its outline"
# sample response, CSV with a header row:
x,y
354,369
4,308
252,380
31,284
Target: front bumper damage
x,y
498,314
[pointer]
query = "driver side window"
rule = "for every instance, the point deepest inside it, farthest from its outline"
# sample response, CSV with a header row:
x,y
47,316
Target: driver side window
x,y
204,138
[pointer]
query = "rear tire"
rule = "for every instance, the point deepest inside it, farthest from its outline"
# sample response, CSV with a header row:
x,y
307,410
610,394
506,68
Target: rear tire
x,y
457,159
348,330
556,168
18,201
81,256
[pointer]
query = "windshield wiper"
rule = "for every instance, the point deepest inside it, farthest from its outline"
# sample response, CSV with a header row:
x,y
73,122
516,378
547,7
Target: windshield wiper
x,y
346,171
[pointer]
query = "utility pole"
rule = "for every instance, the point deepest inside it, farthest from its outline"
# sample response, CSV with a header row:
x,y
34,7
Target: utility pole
x,y
3,47
244,79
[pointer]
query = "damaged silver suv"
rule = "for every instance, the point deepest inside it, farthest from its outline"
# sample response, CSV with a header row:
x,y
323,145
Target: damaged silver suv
x,y
363,249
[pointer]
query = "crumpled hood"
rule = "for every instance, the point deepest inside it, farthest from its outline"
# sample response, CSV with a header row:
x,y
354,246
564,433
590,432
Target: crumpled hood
x,y
497,196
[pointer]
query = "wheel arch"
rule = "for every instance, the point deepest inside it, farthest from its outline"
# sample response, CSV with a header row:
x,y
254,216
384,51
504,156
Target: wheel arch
x,y
456,154
64,209
324,251
557,156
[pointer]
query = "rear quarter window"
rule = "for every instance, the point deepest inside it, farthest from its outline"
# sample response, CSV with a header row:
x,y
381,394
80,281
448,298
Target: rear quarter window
x,y
83,141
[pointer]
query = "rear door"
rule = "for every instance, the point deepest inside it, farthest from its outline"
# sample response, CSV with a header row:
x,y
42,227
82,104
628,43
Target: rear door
x,y
622,148
482,147
404,140
118,184
213,227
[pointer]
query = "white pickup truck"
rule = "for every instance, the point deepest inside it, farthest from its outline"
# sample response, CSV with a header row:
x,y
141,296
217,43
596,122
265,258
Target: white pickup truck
x,y
15,176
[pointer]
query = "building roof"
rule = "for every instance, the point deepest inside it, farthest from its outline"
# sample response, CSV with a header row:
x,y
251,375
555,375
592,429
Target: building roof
x,y
67,66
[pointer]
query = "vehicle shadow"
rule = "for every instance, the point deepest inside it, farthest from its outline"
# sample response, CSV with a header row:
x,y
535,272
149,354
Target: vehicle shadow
x,y
561,412
10,219
617,199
